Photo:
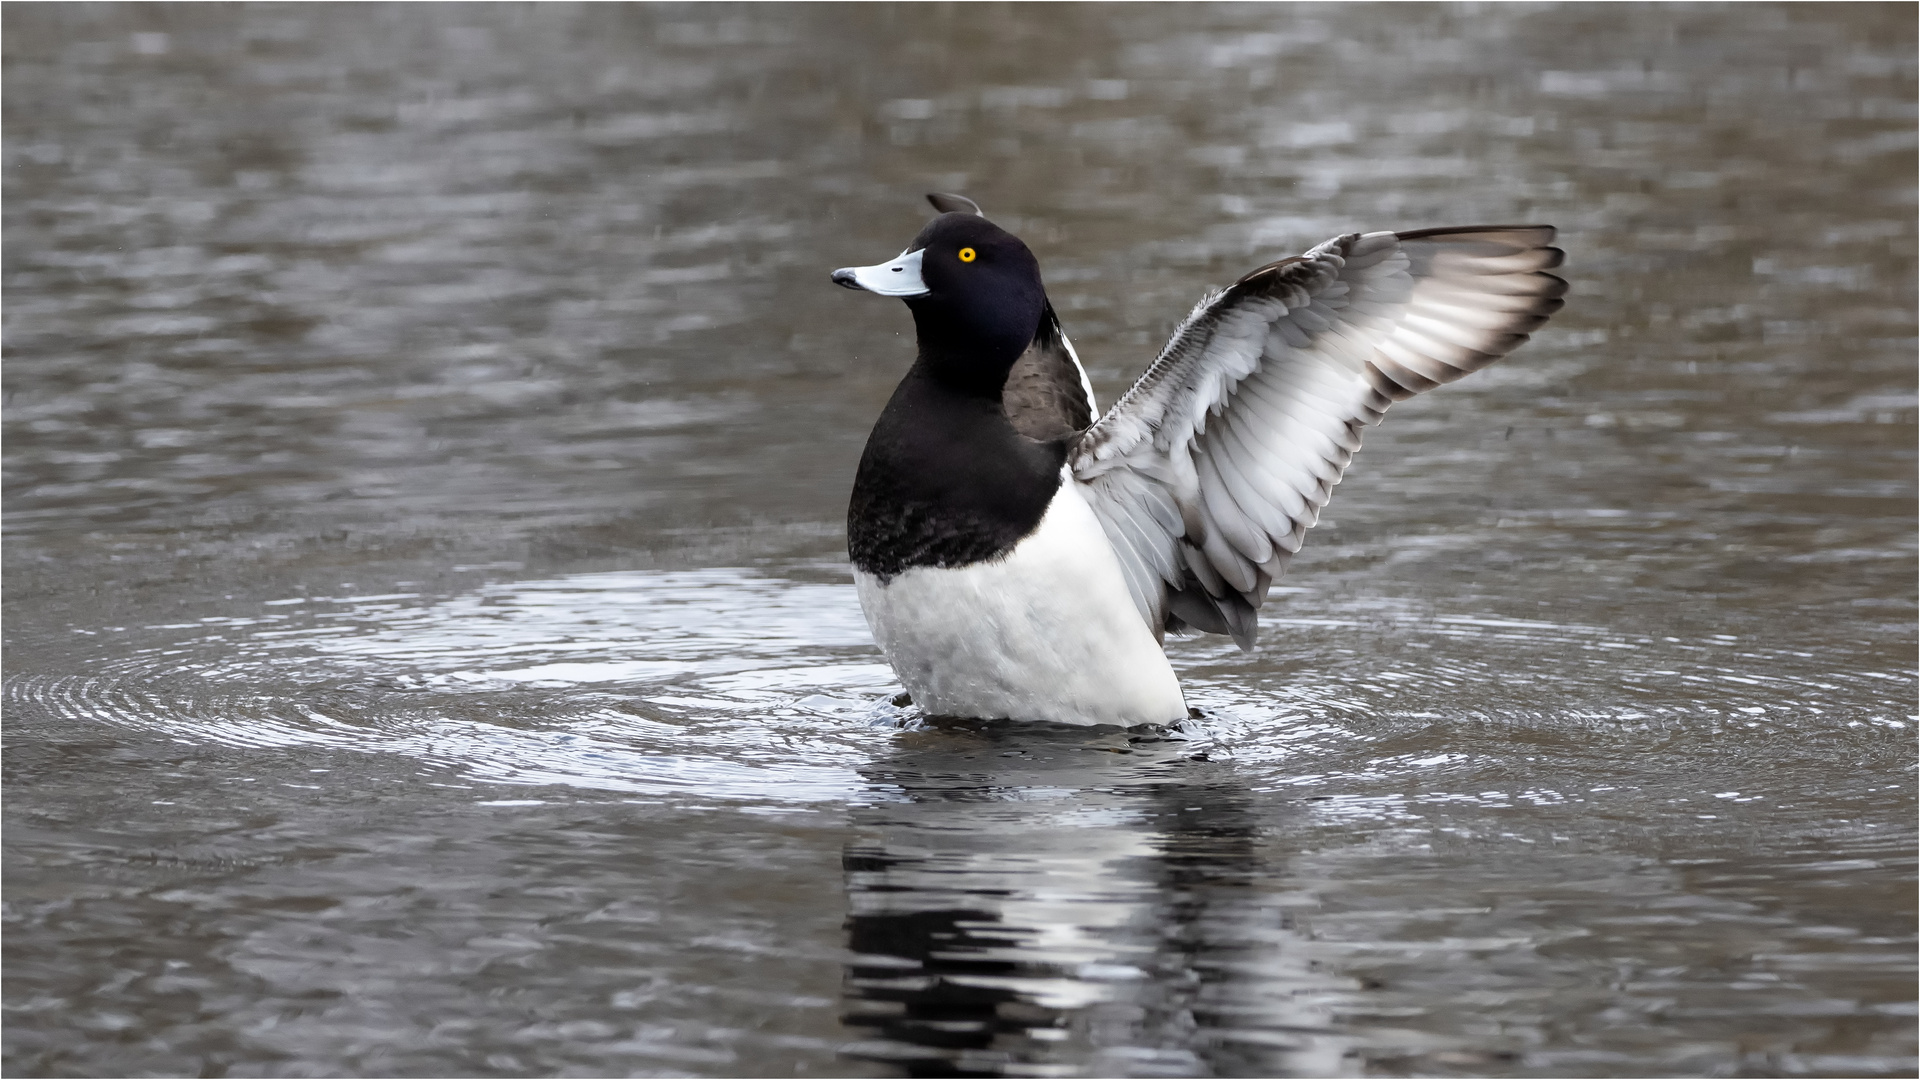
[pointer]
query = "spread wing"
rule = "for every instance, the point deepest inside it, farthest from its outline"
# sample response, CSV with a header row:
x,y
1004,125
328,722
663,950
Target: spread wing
x,y
1207,474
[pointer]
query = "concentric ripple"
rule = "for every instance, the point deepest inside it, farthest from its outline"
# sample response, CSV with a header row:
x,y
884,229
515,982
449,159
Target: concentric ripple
x,y
742,685
713,682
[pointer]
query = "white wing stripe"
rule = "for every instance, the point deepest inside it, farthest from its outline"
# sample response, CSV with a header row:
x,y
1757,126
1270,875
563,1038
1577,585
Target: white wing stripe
x,y
1254,489
1433,371
1287,446
1304,376
1229,518
1299,405
1474,264
1423,349
1485,319
1289,481
1316,392
1440,329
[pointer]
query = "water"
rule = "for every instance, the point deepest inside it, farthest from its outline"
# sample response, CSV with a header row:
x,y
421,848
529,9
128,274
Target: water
x,y
429,647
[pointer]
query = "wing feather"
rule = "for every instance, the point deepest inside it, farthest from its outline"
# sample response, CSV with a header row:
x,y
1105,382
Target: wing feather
x,y
1207,474
1225,489
1281,479
1331,430
1259,494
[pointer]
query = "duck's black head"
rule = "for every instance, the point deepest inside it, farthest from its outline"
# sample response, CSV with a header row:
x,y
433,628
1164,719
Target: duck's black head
x,y
975,293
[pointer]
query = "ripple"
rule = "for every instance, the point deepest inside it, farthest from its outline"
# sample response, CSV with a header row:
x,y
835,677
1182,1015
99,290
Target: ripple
x,y
716,682
742,685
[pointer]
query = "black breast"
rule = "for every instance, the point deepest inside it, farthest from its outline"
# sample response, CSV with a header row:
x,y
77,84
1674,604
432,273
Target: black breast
x,y
946,481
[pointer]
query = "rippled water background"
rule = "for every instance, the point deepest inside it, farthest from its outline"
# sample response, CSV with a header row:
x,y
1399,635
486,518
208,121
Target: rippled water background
x,y
429,646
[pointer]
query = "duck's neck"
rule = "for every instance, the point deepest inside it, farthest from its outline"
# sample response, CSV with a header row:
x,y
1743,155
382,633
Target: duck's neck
x,y
966,357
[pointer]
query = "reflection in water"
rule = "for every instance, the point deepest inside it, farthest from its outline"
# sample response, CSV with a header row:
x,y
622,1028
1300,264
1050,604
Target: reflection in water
x,y
1036,902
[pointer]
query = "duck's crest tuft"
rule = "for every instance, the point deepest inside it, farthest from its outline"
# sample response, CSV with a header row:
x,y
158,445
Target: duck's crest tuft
x,y
954,204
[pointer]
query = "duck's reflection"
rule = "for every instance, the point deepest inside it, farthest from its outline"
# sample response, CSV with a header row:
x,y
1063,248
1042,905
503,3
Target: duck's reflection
x,y
1046,902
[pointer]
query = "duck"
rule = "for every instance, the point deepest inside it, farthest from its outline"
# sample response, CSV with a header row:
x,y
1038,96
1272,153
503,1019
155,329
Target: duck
x,y
1020,555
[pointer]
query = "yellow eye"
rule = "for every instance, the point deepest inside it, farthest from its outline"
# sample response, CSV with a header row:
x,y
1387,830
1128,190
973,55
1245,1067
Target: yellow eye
x,y
966,255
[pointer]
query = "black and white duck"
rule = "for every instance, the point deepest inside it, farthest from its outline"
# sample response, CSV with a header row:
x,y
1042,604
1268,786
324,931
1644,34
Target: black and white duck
x,y
1017,557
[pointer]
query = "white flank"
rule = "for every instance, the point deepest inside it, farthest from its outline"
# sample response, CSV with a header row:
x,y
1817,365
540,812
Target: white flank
x,y
1049,632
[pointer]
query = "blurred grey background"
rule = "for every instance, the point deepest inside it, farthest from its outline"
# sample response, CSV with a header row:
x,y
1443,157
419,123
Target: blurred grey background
x,y
379,275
